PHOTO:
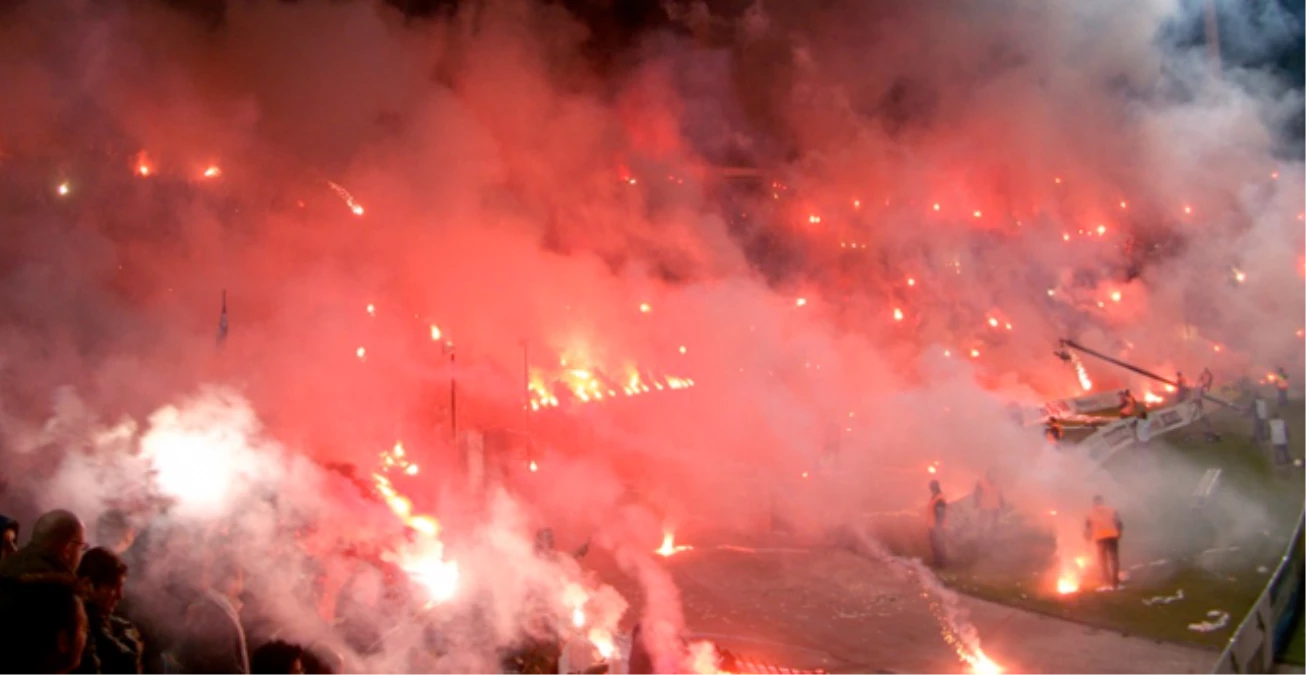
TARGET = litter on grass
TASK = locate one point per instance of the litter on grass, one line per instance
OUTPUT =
(1216, 620)
(1164, 599)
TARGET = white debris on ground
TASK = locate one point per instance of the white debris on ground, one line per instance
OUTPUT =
(1262, 569)
(1216, 620)
(1164, 599)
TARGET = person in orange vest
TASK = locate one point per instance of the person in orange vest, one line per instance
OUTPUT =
(935, 516)
(1103, 528)
(988, 501)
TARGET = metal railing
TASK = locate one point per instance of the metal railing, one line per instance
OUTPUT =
(1265, 629)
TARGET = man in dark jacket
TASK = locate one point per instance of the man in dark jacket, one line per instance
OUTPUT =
(58, 540)
(114, 645)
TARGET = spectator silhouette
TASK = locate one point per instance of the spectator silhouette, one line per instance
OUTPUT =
(42, 624)
(114, 644)
(8, 537)
(58, 540)
(213, 639)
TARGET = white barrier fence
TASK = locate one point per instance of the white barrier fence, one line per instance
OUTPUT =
(1120, 434)
(1267, 628)
(1071, 407)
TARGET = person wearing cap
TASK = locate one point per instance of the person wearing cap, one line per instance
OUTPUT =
(1103, 528)
(935, 516)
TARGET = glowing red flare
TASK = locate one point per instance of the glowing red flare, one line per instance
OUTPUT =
(669, 547)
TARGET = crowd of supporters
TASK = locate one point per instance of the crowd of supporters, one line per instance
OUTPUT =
(68, 605)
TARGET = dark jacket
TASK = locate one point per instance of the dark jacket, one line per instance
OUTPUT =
(113, 645)
(28, 562)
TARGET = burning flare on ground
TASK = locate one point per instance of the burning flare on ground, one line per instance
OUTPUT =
(981, 664)
(669, 547)
(1072, 575)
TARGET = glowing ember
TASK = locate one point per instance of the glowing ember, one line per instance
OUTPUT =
(1085, 383)
(993, 322)
(1149, 397)
(669, 547)
(578, 617)
(897, 314)
(1115, 296)
(644, 307)
(435, 333)
(354, 206)
(371, 309)
(800, 302)
(1188, 210)
(1239, 275)
(1067, 585)
(361, 352)
(682, 349)
(978, 214)
(212, 171)
(974, 353)
(1101, 230)
(936, 207)
(63, 189)
(144, 168)
(533, 466)
(911, 281)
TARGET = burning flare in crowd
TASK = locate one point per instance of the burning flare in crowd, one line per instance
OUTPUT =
(423, 559)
